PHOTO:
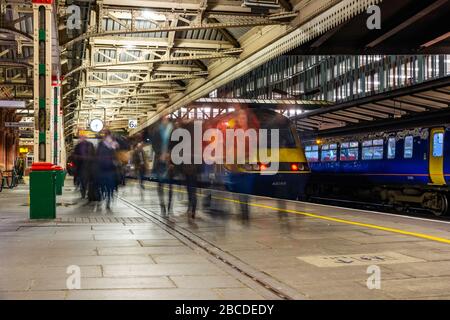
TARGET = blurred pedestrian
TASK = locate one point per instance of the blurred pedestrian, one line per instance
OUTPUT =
(163, 167)
(107, 167)
(190, 171)
(83, 156)
(139, 159)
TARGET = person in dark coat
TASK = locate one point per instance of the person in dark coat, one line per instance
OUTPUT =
(139, 159)
(163, 167)
(83, 156)
(190, 171)
(107, 167)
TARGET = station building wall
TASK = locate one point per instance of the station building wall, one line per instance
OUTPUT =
(8, 140)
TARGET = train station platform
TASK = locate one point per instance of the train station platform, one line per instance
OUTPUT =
(237, 247)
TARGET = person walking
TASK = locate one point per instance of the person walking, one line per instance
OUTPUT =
(163, 167)
(190, 171)
(107, 167)
(83, 156)
(139, 160)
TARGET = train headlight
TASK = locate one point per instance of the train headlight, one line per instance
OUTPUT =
(298, 167)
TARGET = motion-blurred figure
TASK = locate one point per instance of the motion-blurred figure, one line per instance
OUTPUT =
(190, 172)
(83, 156)
(107, 167)
(163, 168)
(139, 159)
(19, 166)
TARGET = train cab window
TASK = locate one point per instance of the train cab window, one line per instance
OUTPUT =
(286, 138)
(372, 149)
(349, 151)
(408, 148)
(312, 153)
(438, 144)
(391, 148)
(329, 152)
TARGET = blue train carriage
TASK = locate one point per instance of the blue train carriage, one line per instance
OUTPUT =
(289, 181)
(404, 168)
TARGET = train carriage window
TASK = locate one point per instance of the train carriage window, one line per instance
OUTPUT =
(312, 153)
(349, 151)
(329, 152)
(438, 144)
(372, 149)
(391, 148)
(408, 148)
(367, 150)
(377, 149)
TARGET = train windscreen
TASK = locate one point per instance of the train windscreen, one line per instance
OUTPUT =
(286, 138)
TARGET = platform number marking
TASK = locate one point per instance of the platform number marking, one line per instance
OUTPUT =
(132, 124)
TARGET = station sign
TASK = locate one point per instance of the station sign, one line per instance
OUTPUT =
(18, 124)
(132, 123)
(26, 134)
(87, 133)
(26, 141)
(13, 104)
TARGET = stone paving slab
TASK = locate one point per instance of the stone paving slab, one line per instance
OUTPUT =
(105, 283)
(124, 255)
(273, 242)
(97, 260)
(145, 294)
(167, 269)
(120, 256)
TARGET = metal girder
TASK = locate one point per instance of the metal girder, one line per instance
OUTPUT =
(21, 76)
(263, 44)
(148, 42)
(130, 26)
(16, 91)
(156, 44)
(117, 80)
(150, 56)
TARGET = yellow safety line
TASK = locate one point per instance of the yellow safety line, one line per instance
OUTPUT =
(350, 222)
(367, 225)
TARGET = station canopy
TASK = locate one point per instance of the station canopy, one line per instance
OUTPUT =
(429, 99)
(140, 59)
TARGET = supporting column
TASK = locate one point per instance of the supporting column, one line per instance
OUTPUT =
(56, 87)
(42, 76)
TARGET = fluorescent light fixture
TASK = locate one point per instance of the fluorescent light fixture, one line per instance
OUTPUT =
(12, 104)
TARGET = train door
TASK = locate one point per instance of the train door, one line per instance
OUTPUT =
(436, 158)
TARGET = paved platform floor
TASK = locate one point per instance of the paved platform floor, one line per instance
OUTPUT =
(309, 251)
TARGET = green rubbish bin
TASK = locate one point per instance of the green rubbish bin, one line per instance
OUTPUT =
(59, 181)
(42, 191)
